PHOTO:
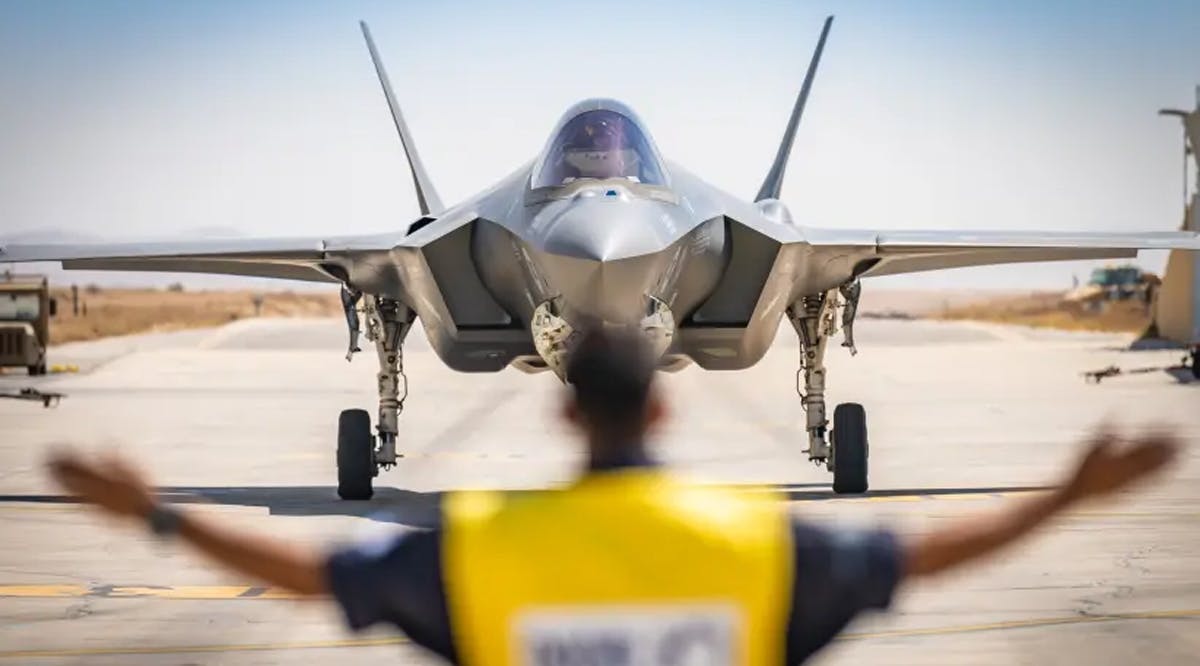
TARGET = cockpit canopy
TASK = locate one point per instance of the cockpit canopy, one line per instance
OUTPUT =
(598, 139)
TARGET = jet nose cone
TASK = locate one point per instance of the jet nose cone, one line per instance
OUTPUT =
(602, 250)
(606, 225)
(584, 241)
(612, 291)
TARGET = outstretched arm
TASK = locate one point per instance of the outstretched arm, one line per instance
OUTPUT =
(118, 489)
(1110, 464)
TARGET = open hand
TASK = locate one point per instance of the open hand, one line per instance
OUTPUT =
(109, 482)
(1113, 462)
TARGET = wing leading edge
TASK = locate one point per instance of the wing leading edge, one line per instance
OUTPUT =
(877, 253)
(311, 259)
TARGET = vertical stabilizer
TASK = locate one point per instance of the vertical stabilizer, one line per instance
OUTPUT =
(426, 196)
(774, 182)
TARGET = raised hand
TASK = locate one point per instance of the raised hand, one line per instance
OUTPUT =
(109, 482)
(1113, 462)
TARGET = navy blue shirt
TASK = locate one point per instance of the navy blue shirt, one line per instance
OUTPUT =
(839, 574)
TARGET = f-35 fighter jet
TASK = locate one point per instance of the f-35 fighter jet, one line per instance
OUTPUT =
(600, 229)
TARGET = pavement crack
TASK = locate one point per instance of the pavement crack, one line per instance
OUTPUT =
(79, 610)
(1133, 560)
(1129, 561)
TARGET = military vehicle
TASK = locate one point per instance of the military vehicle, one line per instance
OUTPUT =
(25, 311)
(1114, 283)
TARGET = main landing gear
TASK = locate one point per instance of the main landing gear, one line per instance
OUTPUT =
(843, 451)
(360, 453)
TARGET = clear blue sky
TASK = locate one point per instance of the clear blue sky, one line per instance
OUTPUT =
(124, 119)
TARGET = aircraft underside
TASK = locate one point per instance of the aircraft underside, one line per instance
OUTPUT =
(715, 297)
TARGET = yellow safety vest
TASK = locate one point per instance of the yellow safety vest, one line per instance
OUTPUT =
(624, 567)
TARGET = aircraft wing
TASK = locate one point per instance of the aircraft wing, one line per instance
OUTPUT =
(773, 265)
(876, 253)
(311, 259)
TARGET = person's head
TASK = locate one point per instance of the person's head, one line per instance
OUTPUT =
(601, 144)
(612, 398)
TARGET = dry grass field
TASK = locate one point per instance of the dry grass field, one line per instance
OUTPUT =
(1046, 310)
(108, 312)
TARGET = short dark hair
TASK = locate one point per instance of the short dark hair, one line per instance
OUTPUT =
(610, 372)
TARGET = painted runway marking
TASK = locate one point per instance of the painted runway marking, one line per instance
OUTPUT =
(1023, 624)
(398, 640)
(811, 496)
(189, 592)
(185, 649)
(789, 494)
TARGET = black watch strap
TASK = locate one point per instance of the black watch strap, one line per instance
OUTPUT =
(163, 520)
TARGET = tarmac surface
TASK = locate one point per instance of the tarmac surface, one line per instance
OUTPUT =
(239, 422)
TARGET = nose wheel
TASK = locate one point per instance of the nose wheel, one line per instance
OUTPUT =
(356, 465)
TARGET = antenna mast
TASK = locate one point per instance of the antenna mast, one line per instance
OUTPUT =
(1191, 137)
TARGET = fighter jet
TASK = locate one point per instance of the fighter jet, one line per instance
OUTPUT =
(599, 229)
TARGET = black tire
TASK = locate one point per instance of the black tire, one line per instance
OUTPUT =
(37, 370)
(850, 449)
(355, 455)
(1196, 363)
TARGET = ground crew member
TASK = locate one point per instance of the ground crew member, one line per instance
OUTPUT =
(625, 566)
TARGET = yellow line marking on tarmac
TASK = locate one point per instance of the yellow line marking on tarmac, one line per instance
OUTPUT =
(912, 497)
(979, 496)
(183, 649)
(807, 497)
(69, 506)
(399, 640)
(43, 591)
(1022, 624)
(191, 592)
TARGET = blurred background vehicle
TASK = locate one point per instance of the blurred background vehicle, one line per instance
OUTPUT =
(25, 311)
(1107, 284)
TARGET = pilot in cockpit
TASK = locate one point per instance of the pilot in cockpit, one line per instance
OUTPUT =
(599, 144)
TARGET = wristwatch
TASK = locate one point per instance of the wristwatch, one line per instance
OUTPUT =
(163, 520)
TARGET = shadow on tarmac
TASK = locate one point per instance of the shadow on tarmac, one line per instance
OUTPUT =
(423, 509)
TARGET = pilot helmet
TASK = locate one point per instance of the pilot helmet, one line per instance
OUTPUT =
(601, 145)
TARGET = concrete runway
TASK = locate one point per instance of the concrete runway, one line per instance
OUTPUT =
(240, 422)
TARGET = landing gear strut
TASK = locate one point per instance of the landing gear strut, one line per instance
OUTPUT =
(844, 451)
(360, 454)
